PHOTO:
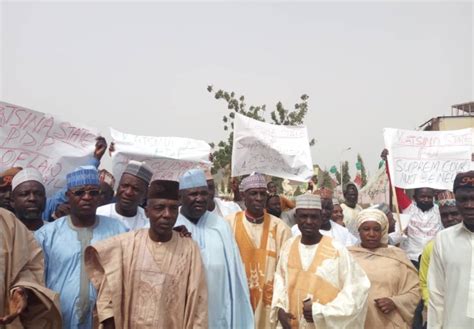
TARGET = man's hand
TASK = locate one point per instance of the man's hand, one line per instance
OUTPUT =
(183, 231)
(109, 323)
(386, 305)
(111, 148)
(384, 155)
(100, 147)
(308, 310)
(234, 186)
(63, 209)
(18, 303)
(285, 318)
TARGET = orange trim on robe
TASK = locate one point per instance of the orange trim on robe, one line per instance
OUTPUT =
(255, 260)
(302, 283)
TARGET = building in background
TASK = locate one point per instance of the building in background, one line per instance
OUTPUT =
(462, 116)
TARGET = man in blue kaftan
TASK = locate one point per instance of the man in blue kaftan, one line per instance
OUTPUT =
(63, 243)
(228, 294)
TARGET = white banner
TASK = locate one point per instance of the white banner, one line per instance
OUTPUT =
(427, 158)
(376, 190)
(33, 139)
(170, 157)
(281, 151)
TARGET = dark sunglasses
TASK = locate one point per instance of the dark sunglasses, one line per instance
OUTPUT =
(81, 193)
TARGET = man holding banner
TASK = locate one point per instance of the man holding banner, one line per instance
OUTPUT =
(423, 161)
(64, 241)
(58, 199)
(424, 218)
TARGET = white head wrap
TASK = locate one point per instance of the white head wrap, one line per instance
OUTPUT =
(374, 215)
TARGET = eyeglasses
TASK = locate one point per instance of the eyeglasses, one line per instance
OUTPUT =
(81, 193)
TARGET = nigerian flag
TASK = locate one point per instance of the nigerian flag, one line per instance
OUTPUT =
(358, 178)
(332, 174)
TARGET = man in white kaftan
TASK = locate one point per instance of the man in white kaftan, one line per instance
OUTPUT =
(317, 282)
(451, 267)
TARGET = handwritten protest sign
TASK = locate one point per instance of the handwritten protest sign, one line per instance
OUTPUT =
(427, 158)
(376, 189)
(281, 151)
(169, 157)
(33, 139)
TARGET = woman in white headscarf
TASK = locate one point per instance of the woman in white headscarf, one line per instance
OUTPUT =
(394, 292)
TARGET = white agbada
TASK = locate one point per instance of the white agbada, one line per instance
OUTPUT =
(350, 221)
(132, 223)
(347, 310)
(451, 279)
(337, 232)
(422, 227)
(224, 208)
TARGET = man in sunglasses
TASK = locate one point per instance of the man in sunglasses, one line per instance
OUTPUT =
(56, 204)
(64, 242)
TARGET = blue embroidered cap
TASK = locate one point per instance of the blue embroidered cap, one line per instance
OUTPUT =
(85, 175)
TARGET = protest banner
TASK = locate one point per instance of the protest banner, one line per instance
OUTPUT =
(281, 151)
(38, 140)
(169, 157)
(376, 190)
(427, 158)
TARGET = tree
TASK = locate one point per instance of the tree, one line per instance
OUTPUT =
(325, 180)
(363, 172)
(222, 154)
(338, 176)
(346, 177)
(335, 175)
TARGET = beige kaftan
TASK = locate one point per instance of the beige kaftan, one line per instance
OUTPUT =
(22, 264)
(391, 275)
(147, 284)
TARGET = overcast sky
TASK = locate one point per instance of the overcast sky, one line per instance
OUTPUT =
(143, 68)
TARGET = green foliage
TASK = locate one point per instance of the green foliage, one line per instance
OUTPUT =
(335, 171)
(222, 154)
(298, 191)
(223, 187)
(346, 177)
(363, 171)
(277, 181)
(325, 180)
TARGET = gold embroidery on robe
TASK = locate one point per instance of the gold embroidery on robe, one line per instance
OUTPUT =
(303, 283)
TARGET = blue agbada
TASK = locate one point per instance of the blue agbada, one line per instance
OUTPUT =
(63, 246)
(228, 294)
